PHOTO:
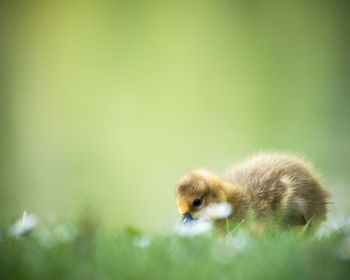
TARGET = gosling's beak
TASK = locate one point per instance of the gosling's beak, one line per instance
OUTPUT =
(186, 218)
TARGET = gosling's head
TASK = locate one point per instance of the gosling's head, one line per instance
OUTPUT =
(195, 191)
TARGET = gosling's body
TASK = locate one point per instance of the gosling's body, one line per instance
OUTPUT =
(264, 183)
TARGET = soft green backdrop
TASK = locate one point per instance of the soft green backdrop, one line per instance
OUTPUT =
(107, 103)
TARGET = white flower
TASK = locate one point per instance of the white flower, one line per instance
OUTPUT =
(142, 242)
(219, 210)
(223, 250)
(333, 224)
(45, 237)
(196, 227)
(65, 233)
(51, 236)
(241, 240)
(23, 225)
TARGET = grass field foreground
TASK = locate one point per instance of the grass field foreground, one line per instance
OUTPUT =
(86, 250)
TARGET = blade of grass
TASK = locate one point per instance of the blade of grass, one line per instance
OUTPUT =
(236, 227)
(304, 229)
(227, 226)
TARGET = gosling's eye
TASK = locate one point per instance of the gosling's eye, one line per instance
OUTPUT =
(197, 202)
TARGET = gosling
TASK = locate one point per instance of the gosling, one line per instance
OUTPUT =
(263, 184)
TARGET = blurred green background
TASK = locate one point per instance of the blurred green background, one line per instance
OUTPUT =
(107, 103)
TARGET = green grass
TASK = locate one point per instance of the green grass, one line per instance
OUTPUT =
(88, 251)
